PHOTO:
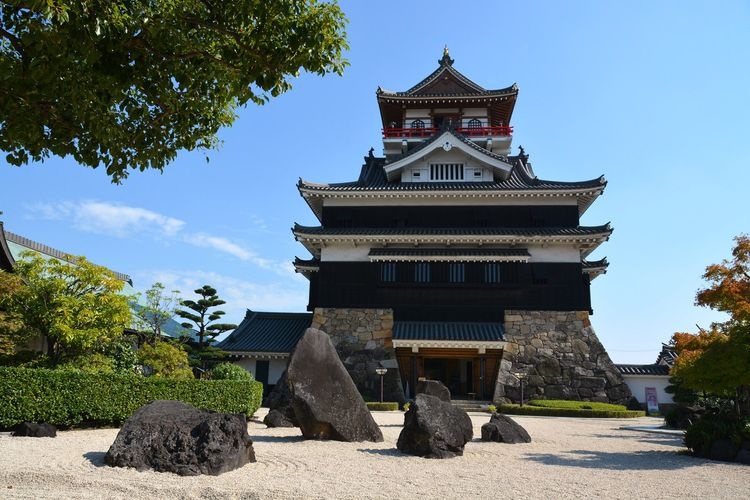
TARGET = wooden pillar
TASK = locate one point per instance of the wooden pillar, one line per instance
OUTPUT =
(482, 362)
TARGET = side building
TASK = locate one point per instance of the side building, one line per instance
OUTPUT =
(448, 258)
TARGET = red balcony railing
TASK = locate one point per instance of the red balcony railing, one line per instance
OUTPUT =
(393, 132)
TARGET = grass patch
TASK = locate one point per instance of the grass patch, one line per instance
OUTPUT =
(565, 408)
(386, 406)
(576, 405)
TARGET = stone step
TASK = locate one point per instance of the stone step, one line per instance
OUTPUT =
(470, 404)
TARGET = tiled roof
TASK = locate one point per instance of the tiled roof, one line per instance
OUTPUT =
(373, 178)
(449, 252)
(446, 66)
(53, 252)
(453, 231)
(6, 258)
(643, 369)
(667, 356)
(449, 331)
(267, 332)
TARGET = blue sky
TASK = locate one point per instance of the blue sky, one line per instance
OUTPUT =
(654, 95)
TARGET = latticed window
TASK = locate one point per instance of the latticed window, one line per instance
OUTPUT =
(492, 273)
(422, 272)
(417, 124)
(474, 123)
(388, 272)
(446, 171)
(456, 272)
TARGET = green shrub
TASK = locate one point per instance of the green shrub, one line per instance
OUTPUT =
(166, 360)
(580, 405)
(386, 406)
(711, 427)
(491, 408)
(70, 398)
(406, 406)
(230, 371)
(513, 409)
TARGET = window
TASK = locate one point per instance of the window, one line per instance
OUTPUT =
(492, 273)
(446, 171)
(456, 272)
(417, 124)
(388, 272)
(474, 124)
(422, 272)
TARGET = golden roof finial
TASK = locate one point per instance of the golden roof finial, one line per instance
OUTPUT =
(446, 59)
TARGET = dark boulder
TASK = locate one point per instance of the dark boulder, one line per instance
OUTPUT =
(503, 429)
(434, 429)
(434, 388)
(31, 429)
(171, 436)
(279, 418)
(326, 402)
(279, 402)
(723, 449)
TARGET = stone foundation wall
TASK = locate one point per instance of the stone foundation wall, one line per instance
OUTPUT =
(364, 341)
(561, 356)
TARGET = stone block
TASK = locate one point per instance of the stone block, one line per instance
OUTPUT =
(581, 315)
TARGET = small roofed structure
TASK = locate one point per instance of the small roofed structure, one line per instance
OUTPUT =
(653, 377)
(263, 341)
(6, 257)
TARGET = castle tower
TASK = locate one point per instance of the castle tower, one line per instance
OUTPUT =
(448, 258)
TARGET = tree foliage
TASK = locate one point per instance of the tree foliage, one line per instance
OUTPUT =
(127, 84)
(154, 311)
(202, 318)
(165, 359)
(230, 371)
(718, 360)
(73, 306)
(11, 322)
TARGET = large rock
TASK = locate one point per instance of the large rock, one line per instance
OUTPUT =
(278, 418)
(279, 402)
(503, 429)
(31, 429)
(326, 402)
(434, 388)
(434, 429)
(171, 436)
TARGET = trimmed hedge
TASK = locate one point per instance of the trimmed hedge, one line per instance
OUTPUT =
(578, 405)
(72, 398)
(386, 406)
(514, 409)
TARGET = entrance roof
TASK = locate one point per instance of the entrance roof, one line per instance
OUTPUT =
(450, 331)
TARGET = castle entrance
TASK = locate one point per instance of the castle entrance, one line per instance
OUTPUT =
(468, 373)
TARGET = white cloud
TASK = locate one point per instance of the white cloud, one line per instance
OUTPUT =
(123, 221)
(110, 218)
(240, 295)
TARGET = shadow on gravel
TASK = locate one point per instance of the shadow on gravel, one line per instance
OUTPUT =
(389, 452)
(650, 438)
(96, 458)
(277, 439)
(638, 460)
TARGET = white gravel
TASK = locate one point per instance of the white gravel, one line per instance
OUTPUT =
(568, 458)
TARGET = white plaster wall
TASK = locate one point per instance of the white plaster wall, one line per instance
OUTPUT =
(554, 253)
(417, 113)
(638, 384)
(475, 112)
(275, 368)
(360, 253)
(345, 253)
(450, 199)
